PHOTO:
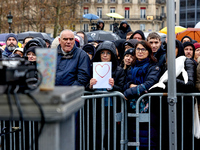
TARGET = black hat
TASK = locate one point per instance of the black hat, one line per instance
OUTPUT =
(189, 44)
(89, 48)
(129, 51)
(138, 32)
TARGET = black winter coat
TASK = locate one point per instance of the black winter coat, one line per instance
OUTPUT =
(117, 72)
(123, 31)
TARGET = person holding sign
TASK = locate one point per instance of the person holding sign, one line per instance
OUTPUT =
(107, 76)
(106, 52)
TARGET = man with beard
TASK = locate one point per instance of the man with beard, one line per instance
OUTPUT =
(11, 44)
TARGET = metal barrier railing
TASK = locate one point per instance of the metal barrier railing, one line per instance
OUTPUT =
(93, 97)
(113, 134)
(103, 123)
(19, 135)
(145, 117)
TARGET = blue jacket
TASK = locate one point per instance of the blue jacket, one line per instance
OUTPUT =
(152, 77)
(73, 71)
(6, 53)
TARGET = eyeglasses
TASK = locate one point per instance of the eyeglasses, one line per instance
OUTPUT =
(141, 49)
(107, 53)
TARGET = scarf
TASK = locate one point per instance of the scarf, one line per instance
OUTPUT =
(139, 71)
(7, 51)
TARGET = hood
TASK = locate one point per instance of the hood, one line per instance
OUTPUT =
(186, 37)
(89, 48)
(122, 28)
(179, 45)
(35, 42)
(138, 32)
(85, 36)
(98, 22)
(120, 48)
(106, 45)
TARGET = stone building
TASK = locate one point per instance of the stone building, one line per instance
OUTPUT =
(146, 15)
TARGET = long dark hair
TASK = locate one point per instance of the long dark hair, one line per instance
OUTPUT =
(147, 46)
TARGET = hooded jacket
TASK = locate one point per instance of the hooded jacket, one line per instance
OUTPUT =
(35, 42)
(186, 37)
(120, 48)
(138, 32)
(74, 70)
(123, 31)
(117, 72)
(98, 22)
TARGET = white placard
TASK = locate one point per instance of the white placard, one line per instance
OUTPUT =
(102, 73)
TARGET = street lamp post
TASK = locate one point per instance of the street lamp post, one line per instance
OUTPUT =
(9, 17)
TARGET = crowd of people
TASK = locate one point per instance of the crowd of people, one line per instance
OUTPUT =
(137, 62)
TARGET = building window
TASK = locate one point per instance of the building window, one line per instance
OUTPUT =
(111, 27)
(127, 12)
(99, 12)
(99, 1)
(143, 1)
(127, 1)
(157, 11)
(142, 27)
(112, 1)
(112, 9)
(162, 9)
(157, 27)
(86, 27)
(142, 12)
(86, 10)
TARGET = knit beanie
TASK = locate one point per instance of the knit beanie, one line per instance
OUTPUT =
(196, 45)
(189, 44)
(11, 35)
(138, 32)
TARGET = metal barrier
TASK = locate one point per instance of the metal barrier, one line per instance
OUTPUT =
(19, 135)
(146, 117)
(111, 108)
(103, 124)
(122, 116)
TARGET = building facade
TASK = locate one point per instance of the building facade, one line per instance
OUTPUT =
(146, 15)
(189, 13)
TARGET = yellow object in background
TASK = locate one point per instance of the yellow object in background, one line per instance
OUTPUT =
(177, 29)
(19, 44)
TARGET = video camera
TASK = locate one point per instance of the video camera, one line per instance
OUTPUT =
(18, 72)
